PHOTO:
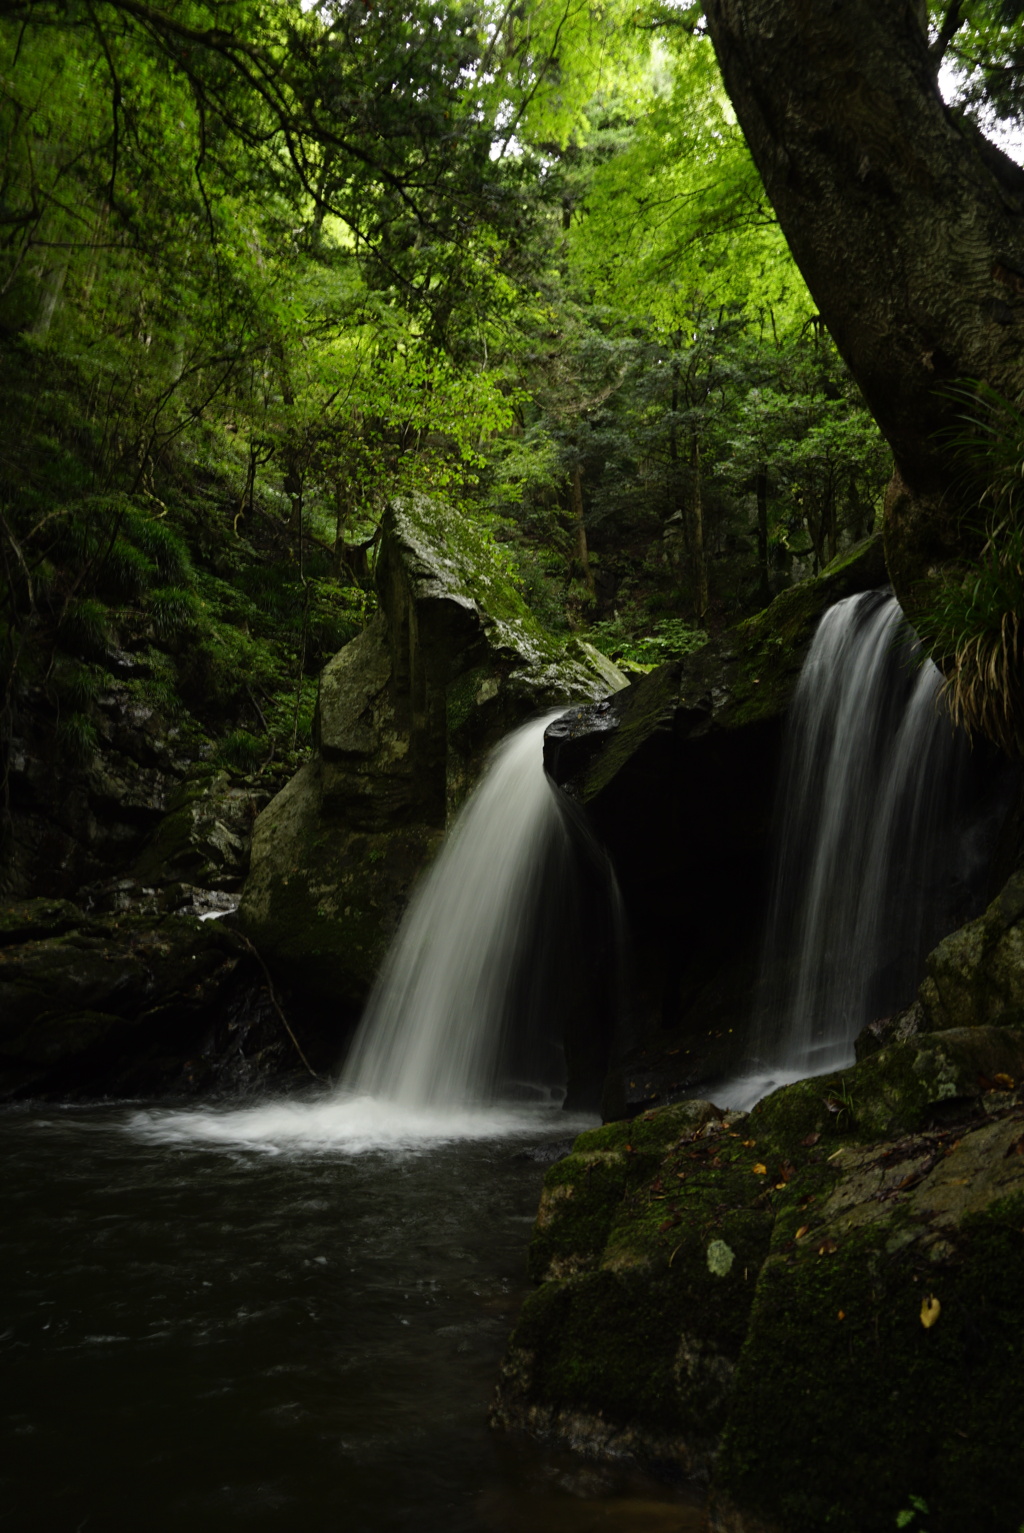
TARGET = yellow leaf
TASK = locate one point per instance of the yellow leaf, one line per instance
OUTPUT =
(760, 1170)
(748, 1144)
(801, 1232)
(930, 1311)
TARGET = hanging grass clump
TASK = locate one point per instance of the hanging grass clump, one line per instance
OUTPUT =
(974, 628)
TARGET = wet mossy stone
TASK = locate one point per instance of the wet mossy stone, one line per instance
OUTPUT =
(79, 1004)
(975, 976)
(30, 920)
(741, 1296)
(744, 677)
(323, 901)
(204, 836)
(648, 1242)
(845, 1402)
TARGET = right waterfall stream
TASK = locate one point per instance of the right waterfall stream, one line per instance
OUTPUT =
(878, 843)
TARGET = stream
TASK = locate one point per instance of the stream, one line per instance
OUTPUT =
(220, 1321)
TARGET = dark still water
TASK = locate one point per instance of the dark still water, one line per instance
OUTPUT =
(231, 1321)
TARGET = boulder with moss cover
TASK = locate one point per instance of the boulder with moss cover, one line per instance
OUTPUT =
(130, 1005)
(407, 713)
(812, 1307)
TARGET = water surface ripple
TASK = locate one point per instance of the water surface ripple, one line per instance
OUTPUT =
(275, 1331)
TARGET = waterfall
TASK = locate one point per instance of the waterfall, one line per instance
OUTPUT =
(505, 962)
(872, 851)
(463, 997)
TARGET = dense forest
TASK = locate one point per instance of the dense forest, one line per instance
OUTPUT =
(266, 267)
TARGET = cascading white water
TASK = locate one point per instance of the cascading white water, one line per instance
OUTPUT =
(493, 954)
(869, 844)
(433, 1030)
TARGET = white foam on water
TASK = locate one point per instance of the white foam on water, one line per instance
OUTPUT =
(352, 1125)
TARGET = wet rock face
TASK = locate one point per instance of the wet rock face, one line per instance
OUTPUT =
(813, 1305)
(407, 713)
(678, 776)
(130, 1005)
(78, 819)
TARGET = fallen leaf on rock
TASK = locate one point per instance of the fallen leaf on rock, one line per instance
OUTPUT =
(930, 1311)
(801, 1232)
(759, 1169)
(748, 1144)
(828, 1247)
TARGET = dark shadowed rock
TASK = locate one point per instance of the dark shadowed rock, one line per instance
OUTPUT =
(130, 1005)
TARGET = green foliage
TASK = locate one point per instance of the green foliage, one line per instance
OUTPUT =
(174, 611)
(664, 640)
(75, 685)
(85, 627)
(265, 268)
(242, 750)
(974, 624)
(76, 737)
(908, 1515)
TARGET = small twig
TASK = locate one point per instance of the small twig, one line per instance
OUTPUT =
(277, 1004)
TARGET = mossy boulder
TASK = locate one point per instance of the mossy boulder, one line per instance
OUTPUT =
(976, 975)
(647, 1246)
(203, 839)
(118, 1006)
(751, 1297)
(883, 1351)
(407, 713)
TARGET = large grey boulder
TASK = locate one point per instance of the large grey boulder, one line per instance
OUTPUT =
(406, 716)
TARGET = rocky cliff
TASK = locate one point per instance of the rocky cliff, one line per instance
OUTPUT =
(406, 716)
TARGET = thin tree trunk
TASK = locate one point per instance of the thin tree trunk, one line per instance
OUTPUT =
(765, 589)
(579, 527)
(699, 561)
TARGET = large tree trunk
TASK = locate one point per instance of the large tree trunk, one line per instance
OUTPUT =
(907, 226)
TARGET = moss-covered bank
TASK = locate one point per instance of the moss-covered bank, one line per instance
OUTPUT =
(811, 1305)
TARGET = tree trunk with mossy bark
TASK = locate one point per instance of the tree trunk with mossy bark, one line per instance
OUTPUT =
(908, 227)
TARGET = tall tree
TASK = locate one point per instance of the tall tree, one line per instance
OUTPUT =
(907, 224)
